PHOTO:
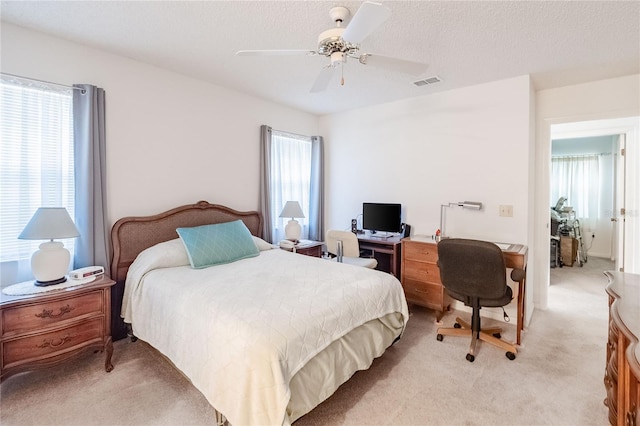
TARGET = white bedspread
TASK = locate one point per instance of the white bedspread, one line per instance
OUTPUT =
(241, 331)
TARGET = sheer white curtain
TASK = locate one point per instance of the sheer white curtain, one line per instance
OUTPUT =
(36, 166)
(577, 177)
(290, 179)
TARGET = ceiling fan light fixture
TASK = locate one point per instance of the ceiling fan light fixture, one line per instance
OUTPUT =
(337, 59)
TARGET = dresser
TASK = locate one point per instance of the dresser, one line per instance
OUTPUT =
(46, 329)
(622, 370)
(421, 275)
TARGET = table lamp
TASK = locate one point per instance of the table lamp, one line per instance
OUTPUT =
(474, 205)
(293, 230)
(50, 263)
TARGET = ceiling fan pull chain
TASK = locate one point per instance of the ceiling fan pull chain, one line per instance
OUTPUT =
(342, 74)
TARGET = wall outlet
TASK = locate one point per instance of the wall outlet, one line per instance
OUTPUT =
(506, 210)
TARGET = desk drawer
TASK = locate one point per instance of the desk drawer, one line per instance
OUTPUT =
(420, 271)
(424, 294)
(38, 315)
(46, 345)
(424, 252)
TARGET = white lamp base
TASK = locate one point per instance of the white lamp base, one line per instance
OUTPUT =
(50, 264)
(293, 230)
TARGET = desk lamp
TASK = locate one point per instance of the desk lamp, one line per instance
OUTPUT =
(474, 205)
(50, 263)
(293, 230)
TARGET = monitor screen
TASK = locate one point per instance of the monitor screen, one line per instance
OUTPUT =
(383, 217)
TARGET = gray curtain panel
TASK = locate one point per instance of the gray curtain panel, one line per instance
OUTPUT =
(90, 177)
(316, 194)
(265, 184)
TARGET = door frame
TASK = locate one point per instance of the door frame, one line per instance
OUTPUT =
(623, 123)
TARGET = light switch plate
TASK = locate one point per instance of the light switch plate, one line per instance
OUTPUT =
(506, 210)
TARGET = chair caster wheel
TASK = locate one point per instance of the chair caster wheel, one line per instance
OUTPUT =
(470, 358)
(456, 325)
(439, 337)
(511, 355)
(497, 335)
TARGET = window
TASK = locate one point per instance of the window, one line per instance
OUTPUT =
(290, 179)
(36, 165)
(577, 177)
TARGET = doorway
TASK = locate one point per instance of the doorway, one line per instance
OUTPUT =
(583, 175)
(620, 238)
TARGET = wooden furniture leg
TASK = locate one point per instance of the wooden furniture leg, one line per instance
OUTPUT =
(108, 353)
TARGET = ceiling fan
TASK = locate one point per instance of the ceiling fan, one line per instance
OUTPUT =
(340, 43)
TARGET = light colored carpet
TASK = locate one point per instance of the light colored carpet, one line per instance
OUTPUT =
(557, 378)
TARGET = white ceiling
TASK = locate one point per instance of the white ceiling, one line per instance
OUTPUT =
(464, 42)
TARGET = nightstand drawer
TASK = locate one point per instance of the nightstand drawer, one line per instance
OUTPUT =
(39, 315)
(419, 271)
(422, 252)
(45, 345)
(425, 294)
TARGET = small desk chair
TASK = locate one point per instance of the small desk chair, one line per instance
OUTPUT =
(474, 272)
(350, 249)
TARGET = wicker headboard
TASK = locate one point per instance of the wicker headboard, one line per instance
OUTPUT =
(131, 235)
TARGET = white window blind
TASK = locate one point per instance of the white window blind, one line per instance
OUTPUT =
(36, 160)
(290, 179)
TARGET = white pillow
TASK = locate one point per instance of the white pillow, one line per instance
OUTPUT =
(262, 244)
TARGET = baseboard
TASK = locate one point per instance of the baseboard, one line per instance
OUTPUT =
(602, 255)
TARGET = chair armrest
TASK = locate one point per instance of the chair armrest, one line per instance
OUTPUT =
(518, 274)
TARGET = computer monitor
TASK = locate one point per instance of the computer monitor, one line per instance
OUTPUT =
(383, 217)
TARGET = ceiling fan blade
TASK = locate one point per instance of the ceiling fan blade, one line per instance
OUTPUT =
(276, 52)
(369, 17)
(393, 64)
(323, 79)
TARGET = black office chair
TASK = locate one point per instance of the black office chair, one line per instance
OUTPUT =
(474, 272)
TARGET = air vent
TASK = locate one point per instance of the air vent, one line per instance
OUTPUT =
(426, 81)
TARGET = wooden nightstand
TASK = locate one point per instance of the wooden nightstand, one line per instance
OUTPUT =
(309, 248)
(45, 329)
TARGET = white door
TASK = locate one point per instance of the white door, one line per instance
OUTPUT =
(629, 212)
(618, 216)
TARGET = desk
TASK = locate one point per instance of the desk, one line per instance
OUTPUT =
(420, 281)
(385, 250)
(515, 256)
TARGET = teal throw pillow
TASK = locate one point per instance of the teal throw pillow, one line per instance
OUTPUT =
(210, 245)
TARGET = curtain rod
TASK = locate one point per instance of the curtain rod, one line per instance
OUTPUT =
(597, 154)
(42, 81)
(291, 135)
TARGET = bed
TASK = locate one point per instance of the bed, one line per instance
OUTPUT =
(265, 337)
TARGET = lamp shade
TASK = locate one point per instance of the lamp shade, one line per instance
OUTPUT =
(49, 223)
(292, 209)
(50, 263)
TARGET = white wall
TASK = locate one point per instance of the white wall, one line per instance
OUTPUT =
(470, 144)
(465, 144)
(605, 99)
(171, 139)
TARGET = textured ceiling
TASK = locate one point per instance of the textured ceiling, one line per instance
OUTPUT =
(465, 43)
